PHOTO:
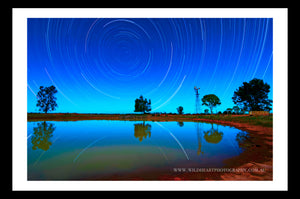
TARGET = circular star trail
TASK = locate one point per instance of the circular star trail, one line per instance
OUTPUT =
(103, 65)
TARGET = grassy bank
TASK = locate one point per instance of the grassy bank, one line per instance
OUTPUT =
(265, 121)
(260, 120)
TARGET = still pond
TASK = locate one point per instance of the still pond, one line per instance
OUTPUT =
(126, 150)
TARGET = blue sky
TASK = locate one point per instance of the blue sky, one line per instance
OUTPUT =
(103, 65)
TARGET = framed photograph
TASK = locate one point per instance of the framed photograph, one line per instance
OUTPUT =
(150, 99)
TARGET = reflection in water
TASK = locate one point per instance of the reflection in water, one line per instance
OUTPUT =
(199, 151)
(243, 140)
(142, 130)
(41, 135)
(213, 135)
(180, 124)
(88, 146)
(102, 150)
(186, 155)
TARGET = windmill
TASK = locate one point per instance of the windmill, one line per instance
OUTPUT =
(197, 102)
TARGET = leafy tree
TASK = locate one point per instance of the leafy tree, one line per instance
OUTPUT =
(142, 105)
(236, 109)
(211, 101)
(229, 110)
(46, 100)
(253, 96)
(180, 110)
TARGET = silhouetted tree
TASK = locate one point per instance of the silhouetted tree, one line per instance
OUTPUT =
(236, 109)
(229, 110)
(142, 105)
(46, 100)
(180, 110)
(211, 101)
(253, 96)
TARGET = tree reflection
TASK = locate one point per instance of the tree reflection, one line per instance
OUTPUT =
(142, 130)
(180, 124)
(41, 135)
(213, 135)
(243, 140)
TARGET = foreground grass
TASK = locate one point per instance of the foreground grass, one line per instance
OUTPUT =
(260, 120)
(265, 121)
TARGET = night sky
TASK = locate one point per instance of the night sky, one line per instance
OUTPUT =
(103, 65)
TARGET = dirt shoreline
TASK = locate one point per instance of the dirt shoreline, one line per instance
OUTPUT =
(255, 163)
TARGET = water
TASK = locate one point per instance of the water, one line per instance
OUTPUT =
(126, 150)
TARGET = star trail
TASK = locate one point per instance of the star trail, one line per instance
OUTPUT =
(101, 65)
